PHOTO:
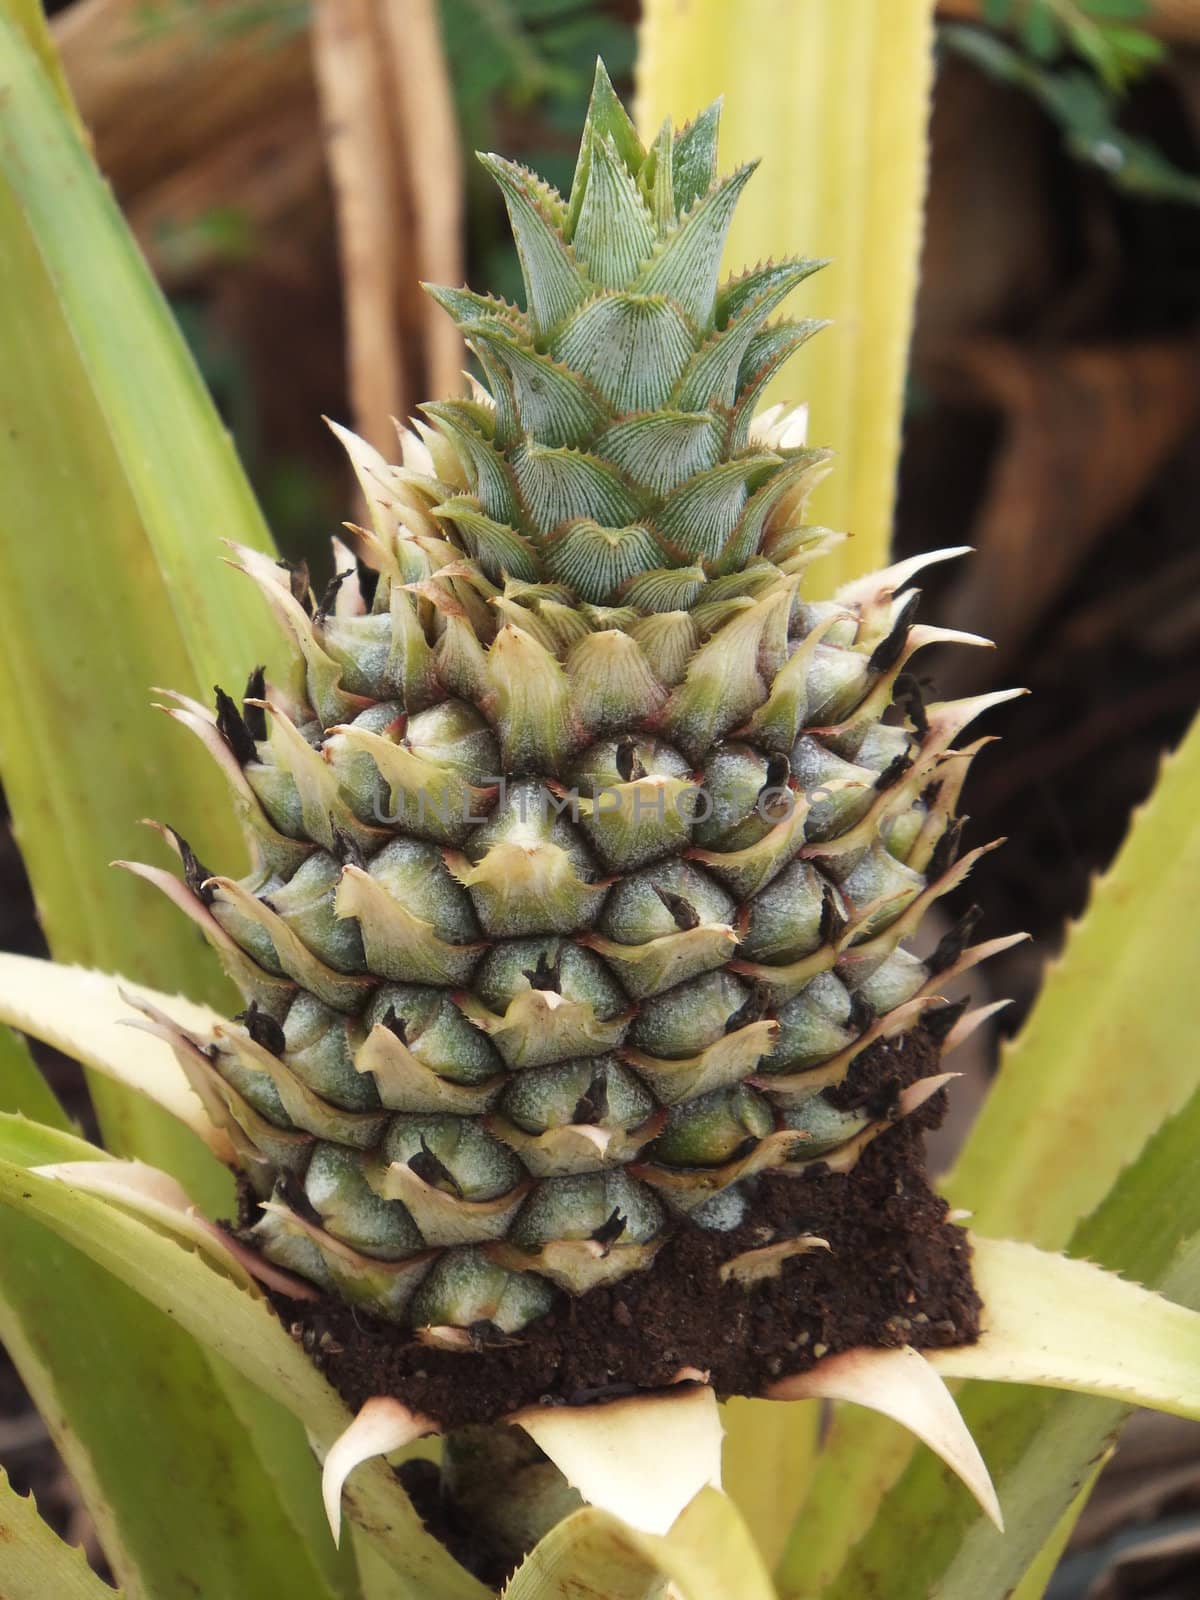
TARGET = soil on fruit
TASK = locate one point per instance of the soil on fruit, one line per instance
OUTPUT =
(897, 1273)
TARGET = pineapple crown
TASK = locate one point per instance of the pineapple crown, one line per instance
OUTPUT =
(613, 450)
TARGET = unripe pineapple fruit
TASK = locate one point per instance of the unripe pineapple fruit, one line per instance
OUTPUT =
(587, 839)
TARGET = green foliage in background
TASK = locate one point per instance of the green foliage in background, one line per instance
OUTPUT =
(1100, 32)
(1085, 101)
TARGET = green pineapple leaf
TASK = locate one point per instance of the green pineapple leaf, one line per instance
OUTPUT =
(1115, 982)
(767, 1464)
(1042, 1446)
(30, 17)
(119, 483)
(1042, 1568)
(23, 1088)
(221, 1518)
(209, 1311)
(34, 1561)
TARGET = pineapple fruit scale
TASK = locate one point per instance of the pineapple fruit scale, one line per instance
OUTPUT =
(586, 841)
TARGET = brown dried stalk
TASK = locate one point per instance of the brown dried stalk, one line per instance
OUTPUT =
(393, 157)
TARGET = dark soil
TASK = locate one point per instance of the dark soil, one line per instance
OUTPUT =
(897, 1273)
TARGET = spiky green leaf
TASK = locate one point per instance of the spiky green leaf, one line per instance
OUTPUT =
(34, 1562)
(217, 1519)
(554, 283)
(554, 405)
(1115, 994)
(663, 450)
(1116, 980)
(695, 154)
(607, 119)
(1043, 1445)
(561, 485)
(122, 523)
(615, 232)
(630, 347)
(212, 1312)
(687, 262)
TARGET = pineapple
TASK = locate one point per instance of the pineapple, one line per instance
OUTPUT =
(587, 841)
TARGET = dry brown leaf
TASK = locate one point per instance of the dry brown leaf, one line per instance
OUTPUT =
(387, 118)
(433, 162)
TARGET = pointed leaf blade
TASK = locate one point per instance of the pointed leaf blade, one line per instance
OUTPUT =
(1043, 1445)
(30, 17)
(643, 1459)
(213, 1520)
(34, 1561)
(119, 482)
(902, 1385)
(1116, 981)
(87, 1015)
(1118, 985)
(236, 1325)
(1065, 1324)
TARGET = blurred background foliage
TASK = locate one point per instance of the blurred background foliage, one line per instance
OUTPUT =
(290, 181)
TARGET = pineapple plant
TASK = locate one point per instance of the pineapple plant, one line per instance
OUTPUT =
(583, 1055)
(588, 843)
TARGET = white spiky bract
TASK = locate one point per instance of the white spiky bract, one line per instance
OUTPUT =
(1048, 1320)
